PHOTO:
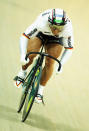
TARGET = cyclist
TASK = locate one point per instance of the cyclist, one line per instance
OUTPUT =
(54, 28)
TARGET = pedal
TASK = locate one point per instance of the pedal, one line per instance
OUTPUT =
(18, 84)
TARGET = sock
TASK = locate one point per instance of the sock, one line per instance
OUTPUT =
(41, 88)
(22, 73)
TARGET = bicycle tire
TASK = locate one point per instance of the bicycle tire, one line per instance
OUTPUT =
(24, 93)
(31, 97)
(25, 114)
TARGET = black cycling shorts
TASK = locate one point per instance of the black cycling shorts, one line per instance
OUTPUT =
(48, 39)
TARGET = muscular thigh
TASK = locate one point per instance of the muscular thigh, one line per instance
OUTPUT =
(54, 49)
(34, 45)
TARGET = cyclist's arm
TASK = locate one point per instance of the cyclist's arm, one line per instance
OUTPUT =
(65, 56)
(68, 41)
(68, 45)
(30, 32)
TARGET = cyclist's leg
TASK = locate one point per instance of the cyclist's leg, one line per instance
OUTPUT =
(54, 50)
(34, 44)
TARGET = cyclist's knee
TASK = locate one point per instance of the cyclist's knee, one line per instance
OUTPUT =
(49, 63)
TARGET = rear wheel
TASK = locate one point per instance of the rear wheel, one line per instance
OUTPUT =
(22, 100)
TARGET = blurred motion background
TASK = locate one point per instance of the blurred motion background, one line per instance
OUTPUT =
(66, 95)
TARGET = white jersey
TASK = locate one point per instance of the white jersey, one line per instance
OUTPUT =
(42, 25)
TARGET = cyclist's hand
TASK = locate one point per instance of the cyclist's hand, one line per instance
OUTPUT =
(60, 71)
(23, 61)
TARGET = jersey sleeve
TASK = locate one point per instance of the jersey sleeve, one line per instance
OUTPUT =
(40, 24)
(33, 29)
(68, 40)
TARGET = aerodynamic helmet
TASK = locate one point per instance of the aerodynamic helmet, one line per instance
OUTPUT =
(57, 17)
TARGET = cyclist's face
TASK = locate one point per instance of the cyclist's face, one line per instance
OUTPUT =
(56, 29)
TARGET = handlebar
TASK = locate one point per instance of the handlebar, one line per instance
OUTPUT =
(44, 54)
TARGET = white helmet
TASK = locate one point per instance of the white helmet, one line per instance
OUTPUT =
(57, 17)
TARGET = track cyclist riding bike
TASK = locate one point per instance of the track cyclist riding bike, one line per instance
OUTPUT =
(54, 29)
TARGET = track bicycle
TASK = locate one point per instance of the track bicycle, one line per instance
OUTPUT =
(31, 83)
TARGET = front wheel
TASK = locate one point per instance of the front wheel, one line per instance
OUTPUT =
(31, 95)
(28, 105)
(25, 90)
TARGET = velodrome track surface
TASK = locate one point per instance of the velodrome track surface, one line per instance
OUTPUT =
(66, 95)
